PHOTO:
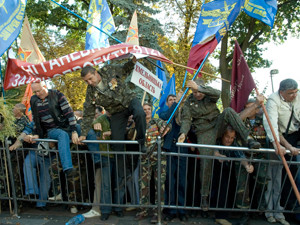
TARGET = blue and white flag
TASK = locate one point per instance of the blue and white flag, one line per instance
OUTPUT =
(170, 89)
(216, 17)
(263, 10)
(100, 16)
(11, 20)
(161, 75)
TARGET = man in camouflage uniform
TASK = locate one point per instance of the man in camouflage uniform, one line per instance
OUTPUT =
(200, 109)
(106, 88)
(149, 163)
(254, 122)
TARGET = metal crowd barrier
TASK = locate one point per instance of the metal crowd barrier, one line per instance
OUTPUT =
(80, 191)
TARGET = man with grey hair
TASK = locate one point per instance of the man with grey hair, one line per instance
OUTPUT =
(283, 108)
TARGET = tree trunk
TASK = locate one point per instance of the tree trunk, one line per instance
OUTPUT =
(225, 73)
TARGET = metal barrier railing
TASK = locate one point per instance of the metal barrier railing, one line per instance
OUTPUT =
(80, 188)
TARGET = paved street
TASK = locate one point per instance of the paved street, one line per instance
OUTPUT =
(58, 215)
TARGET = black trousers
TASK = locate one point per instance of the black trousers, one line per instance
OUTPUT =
(118, 124)
(287, 192)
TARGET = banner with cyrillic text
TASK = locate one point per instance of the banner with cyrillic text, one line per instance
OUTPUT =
(20, 73)
(143, 78)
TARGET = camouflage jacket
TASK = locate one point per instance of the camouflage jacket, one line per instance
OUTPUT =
(21, 124)
(153, 131)
(113, 99)
(202, 114)
(257, 131)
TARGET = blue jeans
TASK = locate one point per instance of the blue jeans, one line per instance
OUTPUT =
(109, 167)
(93, 147)
(63, 139)
(176, 180)
(36, 164)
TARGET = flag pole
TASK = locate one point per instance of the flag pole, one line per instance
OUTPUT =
(186, 90)
(176, 64)
(2, 82)
(185, 76)
(280, 153)
(117, 40)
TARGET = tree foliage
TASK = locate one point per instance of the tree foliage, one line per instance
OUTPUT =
(179, 29)
(58, 32)
(252, 34)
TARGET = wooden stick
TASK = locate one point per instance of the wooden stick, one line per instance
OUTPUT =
(280, 153)
(190, 68)
(6, 174)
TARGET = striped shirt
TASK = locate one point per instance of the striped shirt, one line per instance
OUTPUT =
(46, 119)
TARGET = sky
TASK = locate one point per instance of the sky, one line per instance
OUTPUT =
(284, 58)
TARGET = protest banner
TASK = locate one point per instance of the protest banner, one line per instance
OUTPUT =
(20, 73)
(146, 80)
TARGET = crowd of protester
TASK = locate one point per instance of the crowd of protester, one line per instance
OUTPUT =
(205, 182)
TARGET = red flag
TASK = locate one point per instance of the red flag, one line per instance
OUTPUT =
(242, 82)
(199, 51)
(26, 101)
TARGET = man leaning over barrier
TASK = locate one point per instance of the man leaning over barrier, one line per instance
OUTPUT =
(223, 167)
(54, 119)
(107, 88)
(200, 109)
(283, 108)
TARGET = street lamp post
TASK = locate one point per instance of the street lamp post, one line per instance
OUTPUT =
(272, 72)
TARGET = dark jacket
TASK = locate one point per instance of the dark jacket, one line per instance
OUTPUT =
(54, 110)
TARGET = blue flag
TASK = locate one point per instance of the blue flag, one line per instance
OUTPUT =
(170, 89)
(161, 75)
(263, 10)
(100, 16)
(215, 19)
(11, 20)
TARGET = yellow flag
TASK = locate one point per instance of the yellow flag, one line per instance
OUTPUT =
(133, 32)
(28, 50)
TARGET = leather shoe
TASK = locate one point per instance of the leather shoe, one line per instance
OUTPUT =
(119, 213)
(104, 216)
(169, 217)
(183, 217)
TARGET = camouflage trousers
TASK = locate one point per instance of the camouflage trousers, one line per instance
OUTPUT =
(149, 165)
(73, 184)
(227, 117)
(242, 178)
(260, 179)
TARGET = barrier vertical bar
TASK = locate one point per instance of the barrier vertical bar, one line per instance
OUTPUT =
(13, 189)
(158, 180)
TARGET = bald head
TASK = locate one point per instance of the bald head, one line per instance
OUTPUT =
(40, 89)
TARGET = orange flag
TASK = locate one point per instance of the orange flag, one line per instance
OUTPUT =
(29, 52)
(133, 32)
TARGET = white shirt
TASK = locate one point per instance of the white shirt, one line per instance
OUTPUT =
(279, 112)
